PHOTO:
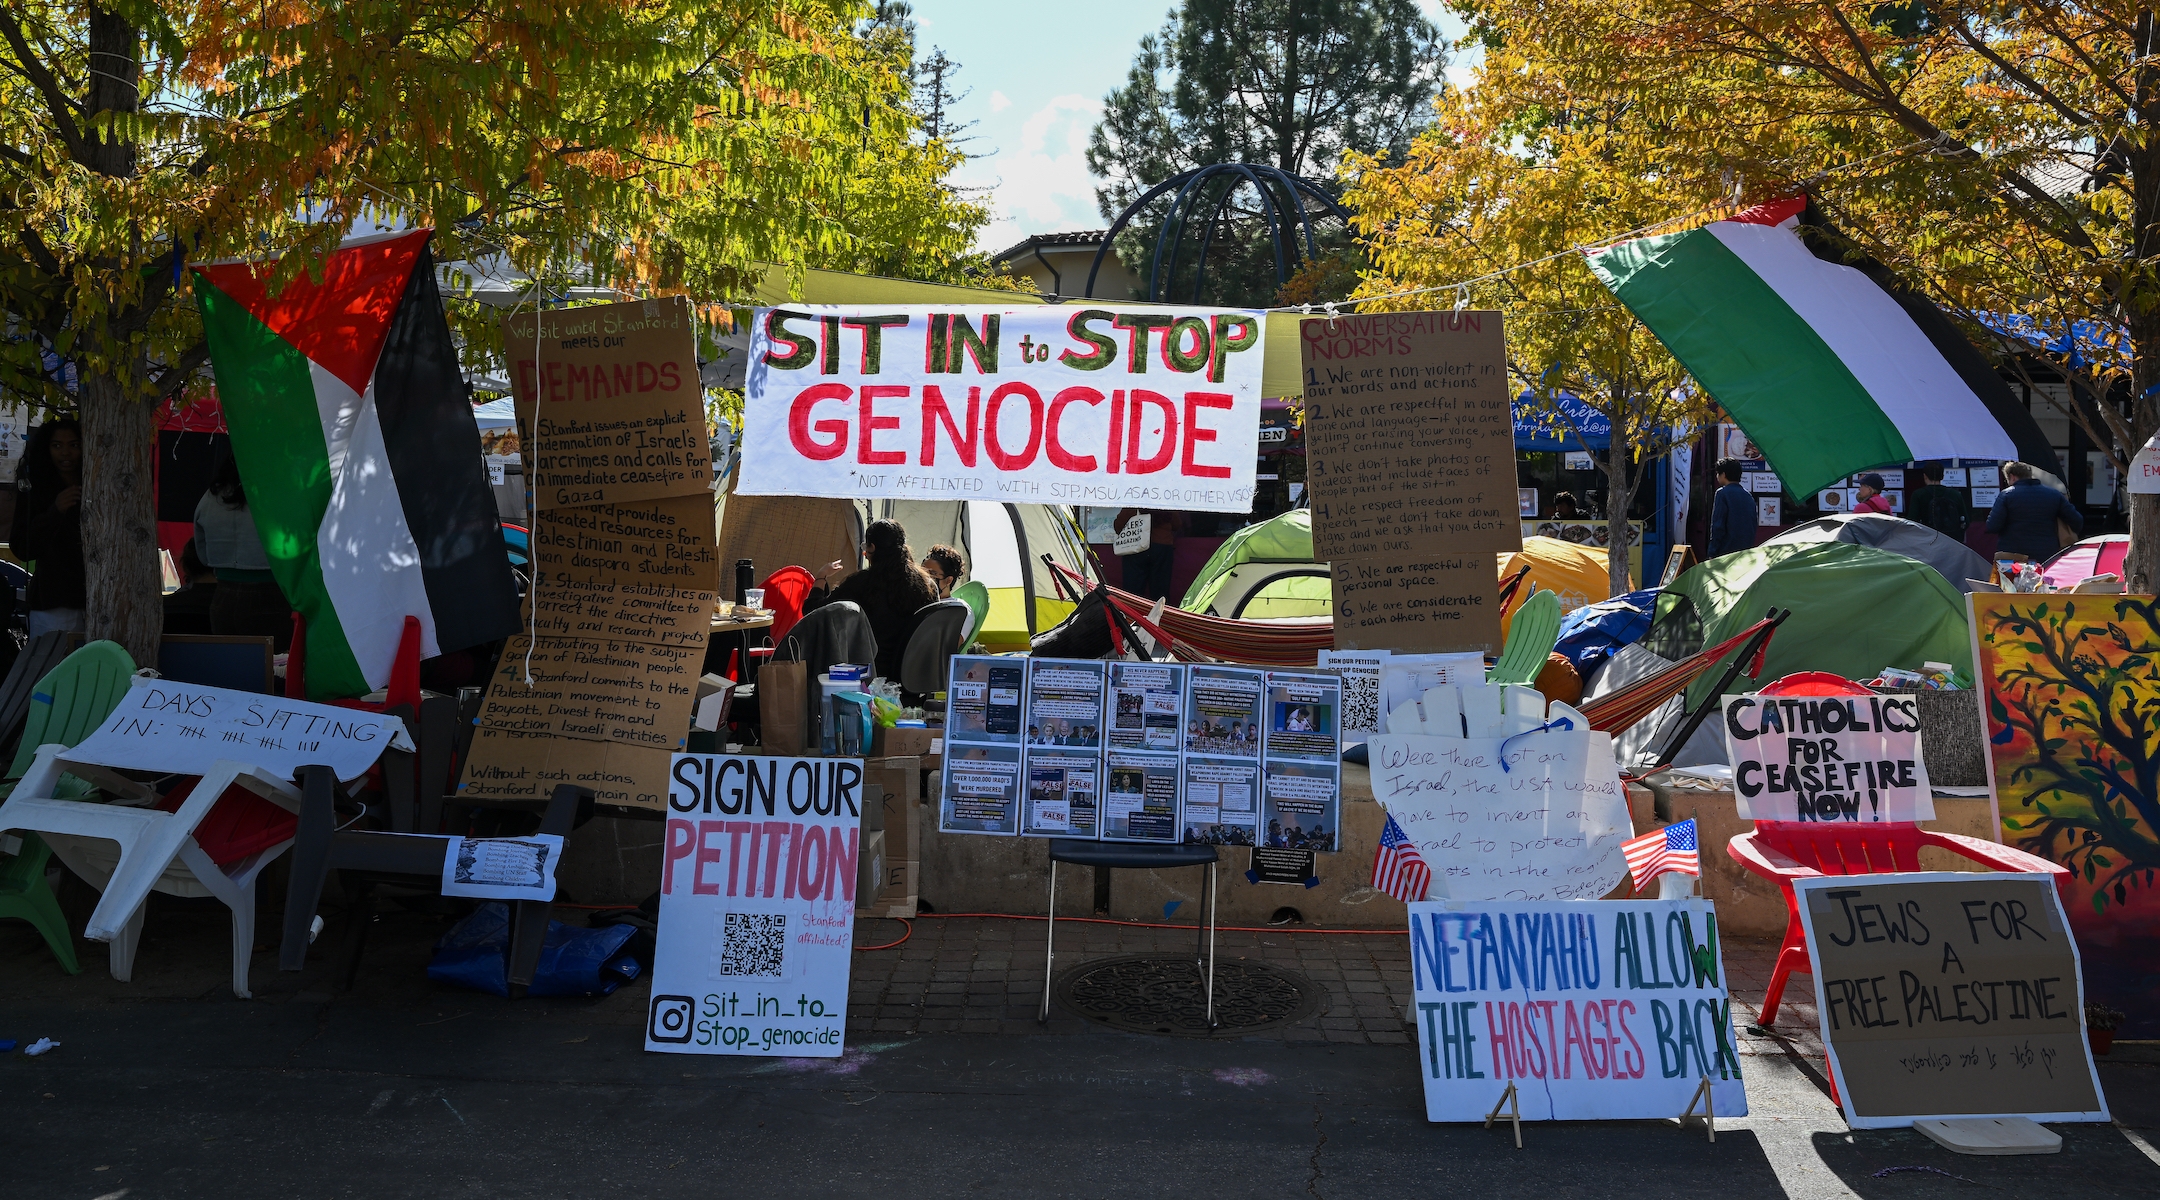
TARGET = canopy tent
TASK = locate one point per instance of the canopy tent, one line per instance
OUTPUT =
(1577, 573)
(1855, 610)
(192, 444)
(495, 414)
(2077, 563)
(1264, 570)
(1956, 562)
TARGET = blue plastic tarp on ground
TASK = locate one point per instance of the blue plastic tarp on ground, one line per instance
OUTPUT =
(1596, 631)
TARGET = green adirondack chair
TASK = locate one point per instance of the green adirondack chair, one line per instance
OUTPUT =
(66, 706)
(977, 598)
(1531, 638)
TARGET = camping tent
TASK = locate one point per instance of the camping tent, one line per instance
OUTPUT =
(1855, 610)
(1578, 573)
(1264, 570)
(2102, 555)
(1952, 559)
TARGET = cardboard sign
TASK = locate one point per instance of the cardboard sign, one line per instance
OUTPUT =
(181, 729)
(1409, 435)
(1949, 994)
(609, 404)
(1549, 827)
(1446, 602)
(1597, 1012)
(647, 612)
(661, 543)
(601, 690)
(757, 906)
(1118, 407)
(504, 764)
(1853, 759)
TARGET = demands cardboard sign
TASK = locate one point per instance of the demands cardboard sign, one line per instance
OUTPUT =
(1949, 994)
(1099, 406)
(1597, 1011)
(1828, 758)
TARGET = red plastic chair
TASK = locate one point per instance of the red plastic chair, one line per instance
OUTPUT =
(1782, 851)
(785, 591)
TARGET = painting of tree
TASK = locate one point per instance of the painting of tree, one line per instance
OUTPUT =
(2073, 705)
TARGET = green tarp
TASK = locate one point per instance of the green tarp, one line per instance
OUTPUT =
(1855, 610)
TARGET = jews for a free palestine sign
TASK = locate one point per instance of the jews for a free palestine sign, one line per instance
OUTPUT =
(1043, 404)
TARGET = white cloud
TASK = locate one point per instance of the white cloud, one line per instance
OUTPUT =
(999, 102)
(1042, 184)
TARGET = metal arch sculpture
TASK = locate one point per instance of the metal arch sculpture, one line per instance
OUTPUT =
(1266, 180)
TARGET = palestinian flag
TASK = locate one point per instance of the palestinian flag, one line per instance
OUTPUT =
(1822, 368)
(356, 442)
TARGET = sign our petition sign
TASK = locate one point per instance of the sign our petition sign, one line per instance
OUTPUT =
(1045, 404)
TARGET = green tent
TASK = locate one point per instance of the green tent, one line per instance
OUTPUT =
(1855, 610)
(1264, 570)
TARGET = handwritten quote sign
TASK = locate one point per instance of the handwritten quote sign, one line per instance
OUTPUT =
(757, 905)
(1604, 1011)
(1828, 758)
(1549, 827)
(1949, 994)
(182, 729)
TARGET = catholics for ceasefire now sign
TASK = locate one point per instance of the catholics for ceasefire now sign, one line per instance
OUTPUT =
(1043, 404)
(1607, 1010)
(1850, 759)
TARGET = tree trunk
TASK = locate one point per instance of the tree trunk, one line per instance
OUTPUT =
(1619, 497)
(119, 516)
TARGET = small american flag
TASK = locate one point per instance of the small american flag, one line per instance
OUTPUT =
(1660, 850)
(1396, 867)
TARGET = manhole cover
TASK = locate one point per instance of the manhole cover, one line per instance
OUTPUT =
(1160, 993)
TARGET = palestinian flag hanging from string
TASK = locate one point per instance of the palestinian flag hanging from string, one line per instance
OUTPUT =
(1822, 368)
(357, 446)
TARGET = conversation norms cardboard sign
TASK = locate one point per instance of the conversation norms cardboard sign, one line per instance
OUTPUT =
(609, 404)
(600, 690)
(1548, 827)
(757, 906)
(181, 729)
(1949, 994)
(504, 764)
(1427, 602)
(1615, 1010)
(1840, 759)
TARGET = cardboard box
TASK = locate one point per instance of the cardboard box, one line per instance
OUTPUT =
(897, 784)
(892, 742)
(869, 867)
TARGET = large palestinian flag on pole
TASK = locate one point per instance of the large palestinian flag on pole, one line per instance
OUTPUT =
(1822, 368)
(360, 456)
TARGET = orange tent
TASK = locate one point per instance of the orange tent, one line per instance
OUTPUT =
(1578, 573)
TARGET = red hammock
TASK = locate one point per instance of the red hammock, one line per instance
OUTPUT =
(1619, 710)
(1191, 637)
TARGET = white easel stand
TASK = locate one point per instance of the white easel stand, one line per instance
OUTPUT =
(1514, 1107)
(1990, 1135)
(1701, 1097)
(1672, 885)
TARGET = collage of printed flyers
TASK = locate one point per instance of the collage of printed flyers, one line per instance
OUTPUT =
(1142, 752)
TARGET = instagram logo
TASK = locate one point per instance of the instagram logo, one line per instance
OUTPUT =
(671, 1019)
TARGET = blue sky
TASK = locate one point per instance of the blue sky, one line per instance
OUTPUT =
(1036, 85)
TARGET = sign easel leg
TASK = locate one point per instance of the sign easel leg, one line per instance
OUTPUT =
(1702, 1097)
(1514, 1107)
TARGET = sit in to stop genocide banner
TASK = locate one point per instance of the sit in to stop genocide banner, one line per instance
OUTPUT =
(1113, 407)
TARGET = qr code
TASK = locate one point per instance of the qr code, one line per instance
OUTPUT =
(751, 944)
(1360, 701)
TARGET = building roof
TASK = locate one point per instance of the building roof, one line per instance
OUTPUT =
(1075, 237)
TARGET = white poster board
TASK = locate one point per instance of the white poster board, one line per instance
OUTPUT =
(182, 729)
(504, 868)
(757, 906)
(1848, 759)
(1088, 405)
(1547, 828)
(1135, 536)
(1597, 1012)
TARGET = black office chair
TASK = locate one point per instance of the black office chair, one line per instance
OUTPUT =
(930, 648)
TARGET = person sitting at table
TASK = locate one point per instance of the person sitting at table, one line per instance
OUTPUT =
(890, 590)
(944, 566)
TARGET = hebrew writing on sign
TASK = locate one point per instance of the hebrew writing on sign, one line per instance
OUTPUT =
(757, 906)
(609, 404)
(1410, 452)
(1604, 1011)
(1547, 827)
(1949, 994)
(182, 729)
(1847, 759)
(1156, 408)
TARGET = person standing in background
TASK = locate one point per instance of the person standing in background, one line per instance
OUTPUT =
(2023, 519)
(1148, 573)
(47, 529)
(249, 602)
(1871, 499)
(1732, 512)
(1942, 509)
